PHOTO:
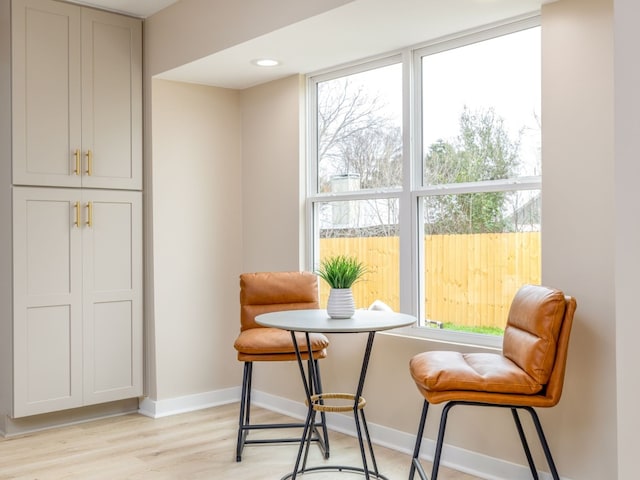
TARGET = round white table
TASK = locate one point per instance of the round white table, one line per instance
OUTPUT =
(318, 321)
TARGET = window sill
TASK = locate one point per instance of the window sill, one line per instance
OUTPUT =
(449, 337)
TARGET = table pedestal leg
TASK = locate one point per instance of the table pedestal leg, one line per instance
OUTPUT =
(316, 402)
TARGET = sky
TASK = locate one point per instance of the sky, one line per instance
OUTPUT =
(502, 73)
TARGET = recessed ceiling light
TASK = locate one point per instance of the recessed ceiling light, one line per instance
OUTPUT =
(266, 62)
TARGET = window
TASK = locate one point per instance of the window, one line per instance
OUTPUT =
(438, 195)
(358, 175)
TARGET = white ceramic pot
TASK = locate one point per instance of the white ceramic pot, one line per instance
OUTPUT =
(340, 303)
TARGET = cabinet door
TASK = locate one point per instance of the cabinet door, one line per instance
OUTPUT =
(111, 100)
(112, 246)
(46, 84)
(77, 96)
(47, 326)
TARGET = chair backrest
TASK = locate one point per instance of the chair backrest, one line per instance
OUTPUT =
(265, 292)
(536, 337)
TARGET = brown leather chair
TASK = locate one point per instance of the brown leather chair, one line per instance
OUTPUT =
(529, 372)
(266, 292)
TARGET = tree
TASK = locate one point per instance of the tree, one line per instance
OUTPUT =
(358, 142)
(358, 139)
(482, 151)
(375, 155)
(356, 136)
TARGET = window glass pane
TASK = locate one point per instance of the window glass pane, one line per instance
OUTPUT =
(478, 218)
(479, 249)
(481, 110)
(359, 121)
(368, 230)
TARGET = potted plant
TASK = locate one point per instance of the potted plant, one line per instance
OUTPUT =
(341, 272)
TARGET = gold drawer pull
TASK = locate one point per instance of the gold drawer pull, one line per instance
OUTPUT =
(77, 207)
(76, 156)
(89, 214)
(89, 162)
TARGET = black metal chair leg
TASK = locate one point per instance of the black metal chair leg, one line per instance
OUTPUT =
(543, 441)
(443, 426)
(244, 409)
(525, 444)
(245, 426)
(415, 461)
(247, 417)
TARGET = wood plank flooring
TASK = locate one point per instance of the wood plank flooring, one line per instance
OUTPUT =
(197, 445)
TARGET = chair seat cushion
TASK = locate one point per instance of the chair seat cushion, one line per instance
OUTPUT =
(486, 372)
(268, 341)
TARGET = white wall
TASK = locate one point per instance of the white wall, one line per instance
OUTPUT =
(578, 256)
(627, 230)
(273, 202)
(192, 29)
(185, 31)
(197, 237)
(6, 280)
(580, 230)
(225, 173)
(578, 234)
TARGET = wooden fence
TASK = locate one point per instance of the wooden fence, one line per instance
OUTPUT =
(470, 280)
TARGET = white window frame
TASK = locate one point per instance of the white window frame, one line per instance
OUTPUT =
(412, 192)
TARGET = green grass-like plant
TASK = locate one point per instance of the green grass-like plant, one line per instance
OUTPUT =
(341, 271)
(482, 330)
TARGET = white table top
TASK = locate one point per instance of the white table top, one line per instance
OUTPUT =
(318, 321)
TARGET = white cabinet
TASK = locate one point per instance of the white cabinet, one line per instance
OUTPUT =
(112, 295)
(47, 300)
(71, 222)
(76, 96)
(77, 298)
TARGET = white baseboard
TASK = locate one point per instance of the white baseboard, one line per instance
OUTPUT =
(188, 403)
(483, 466)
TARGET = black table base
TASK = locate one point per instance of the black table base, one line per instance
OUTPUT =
(336, 468)
(317, 403)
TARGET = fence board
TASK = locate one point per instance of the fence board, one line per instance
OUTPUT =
(470, 280)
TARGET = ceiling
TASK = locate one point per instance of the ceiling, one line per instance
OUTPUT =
(356, 30)
(137, 8)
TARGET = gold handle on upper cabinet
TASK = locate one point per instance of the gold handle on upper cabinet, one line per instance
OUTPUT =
(89, 214)
(89, 162)
(76, 156)
(77, 207)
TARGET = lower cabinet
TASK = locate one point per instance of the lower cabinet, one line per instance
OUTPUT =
(77, 293)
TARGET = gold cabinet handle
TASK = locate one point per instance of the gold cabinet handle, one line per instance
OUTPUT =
(77, 207)
(76, 156)
(89, 162)
(89, 214)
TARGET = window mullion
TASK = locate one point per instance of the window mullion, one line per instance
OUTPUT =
(440, 131)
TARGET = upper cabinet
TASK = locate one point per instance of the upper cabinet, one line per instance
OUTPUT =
(77, 96)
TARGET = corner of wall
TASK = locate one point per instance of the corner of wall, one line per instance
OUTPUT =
(6, 315)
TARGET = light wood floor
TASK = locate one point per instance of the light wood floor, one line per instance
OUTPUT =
(197, 445)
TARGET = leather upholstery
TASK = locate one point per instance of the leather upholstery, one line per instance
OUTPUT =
(532, 330)
(266, 292)
(442, 371)
(273, 344)
(530, 372)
